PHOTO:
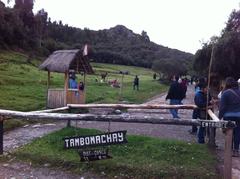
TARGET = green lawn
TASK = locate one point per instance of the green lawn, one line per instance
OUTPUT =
(141, 157)
(23, 85)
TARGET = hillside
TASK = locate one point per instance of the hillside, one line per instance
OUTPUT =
(20, 29)
(134, 49)
(117, 45)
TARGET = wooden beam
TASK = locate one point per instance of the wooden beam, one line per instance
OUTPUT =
(48, 81)
(52, 110)
(66, 79)
(1, 134)
(135, 106)
(212, 115)
(228, 154)
(91, 117)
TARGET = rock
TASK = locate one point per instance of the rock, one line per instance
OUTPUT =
(103, 173)
(36, 126)
(118, 111)
(25, 126)
(50, 124)
(46, 165)
(5, 165)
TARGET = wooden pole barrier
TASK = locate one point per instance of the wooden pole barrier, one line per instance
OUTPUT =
(133, 106)
(156, 119)
(52, 110)
(212, 130)
(1, 135)
(69, 121)
(228, 154)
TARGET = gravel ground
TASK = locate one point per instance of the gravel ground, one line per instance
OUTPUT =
(13, 139)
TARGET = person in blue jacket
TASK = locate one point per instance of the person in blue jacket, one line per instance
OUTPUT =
(230, 110)
(200, 100)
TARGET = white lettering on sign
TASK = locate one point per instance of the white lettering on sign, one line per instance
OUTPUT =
(66, 142)
(98, 139)
(71, 142)
(101, 139)
(120, 137)
(218, 124)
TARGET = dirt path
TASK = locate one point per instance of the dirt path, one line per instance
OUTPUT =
(21, 136)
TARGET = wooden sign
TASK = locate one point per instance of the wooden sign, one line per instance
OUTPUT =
(111, 138)
(94, 154)
(211, 123)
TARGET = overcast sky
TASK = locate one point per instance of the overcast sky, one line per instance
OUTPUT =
(180, 24)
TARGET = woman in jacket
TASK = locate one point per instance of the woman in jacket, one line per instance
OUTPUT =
(230, 110)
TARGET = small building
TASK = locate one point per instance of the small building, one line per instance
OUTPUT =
(66, 62)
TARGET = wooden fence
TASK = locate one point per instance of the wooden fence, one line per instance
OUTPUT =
(47, 114)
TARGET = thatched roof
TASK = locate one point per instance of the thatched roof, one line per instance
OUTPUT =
(64, 60)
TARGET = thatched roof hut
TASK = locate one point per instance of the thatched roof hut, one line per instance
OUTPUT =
(63, 60)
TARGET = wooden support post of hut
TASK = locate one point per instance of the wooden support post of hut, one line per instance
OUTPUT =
(66, 61)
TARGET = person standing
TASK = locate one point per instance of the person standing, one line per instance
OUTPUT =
(230, 110)
(200, 100)
(175, 95)
(154, 76)
(136, 83)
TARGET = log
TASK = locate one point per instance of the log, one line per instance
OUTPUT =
(228, 154)
(135, 106)
(1, 134)
(91, 117)
(52, 110)
(212, 115)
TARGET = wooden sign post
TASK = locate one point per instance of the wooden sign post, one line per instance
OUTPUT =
(228, 154)
(1, 135)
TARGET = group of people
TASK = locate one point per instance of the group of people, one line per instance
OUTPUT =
(229, 106)
(73, 84)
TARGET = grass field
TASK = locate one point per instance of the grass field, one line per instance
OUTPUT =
(23, 85)
(141, 157)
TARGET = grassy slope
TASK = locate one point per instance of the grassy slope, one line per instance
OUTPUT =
(23, 86)
(141, 157)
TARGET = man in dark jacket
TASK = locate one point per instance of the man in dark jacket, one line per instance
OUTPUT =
(136, 83)
(176, 95)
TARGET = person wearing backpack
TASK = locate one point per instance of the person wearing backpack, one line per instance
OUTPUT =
(230, 110)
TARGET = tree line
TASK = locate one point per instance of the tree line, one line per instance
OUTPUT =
(20, 28)
(225, 51)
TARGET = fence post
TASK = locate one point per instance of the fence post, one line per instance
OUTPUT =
(69, 121)
(1, 135)
(228, 153)
(211, 141)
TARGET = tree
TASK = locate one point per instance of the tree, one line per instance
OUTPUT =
(25, 8)
(202, 59)
(169, 67)
(226, 57)
(41, 24)
(145, 36)
(226, 51)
